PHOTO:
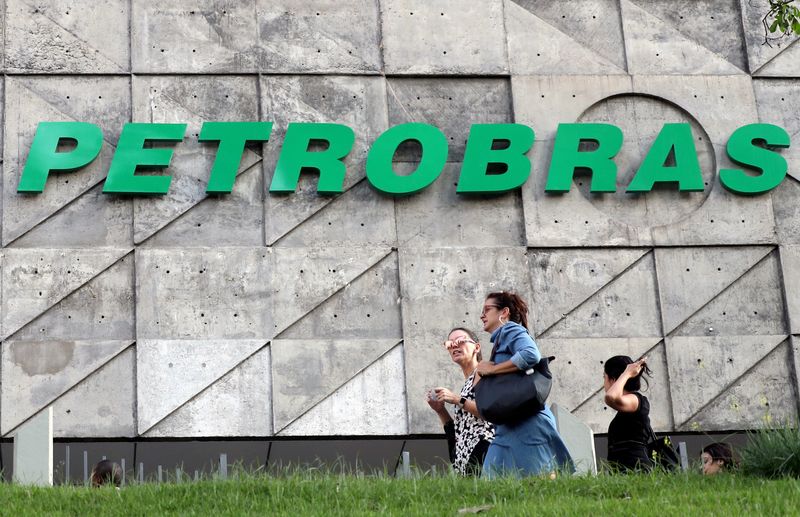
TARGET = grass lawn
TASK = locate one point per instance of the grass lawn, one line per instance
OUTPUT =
(327, 494)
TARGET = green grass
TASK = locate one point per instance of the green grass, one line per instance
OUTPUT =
(773, 452)
(329, 494)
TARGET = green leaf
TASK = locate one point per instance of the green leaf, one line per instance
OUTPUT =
(774, 26)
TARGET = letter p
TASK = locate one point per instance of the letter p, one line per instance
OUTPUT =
(45, 157)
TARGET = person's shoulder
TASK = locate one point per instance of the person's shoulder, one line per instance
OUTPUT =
(513, 329)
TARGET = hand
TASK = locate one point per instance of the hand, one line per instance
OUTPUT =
(485, 368)
(436, 405)
(445, 395)
(635, 368)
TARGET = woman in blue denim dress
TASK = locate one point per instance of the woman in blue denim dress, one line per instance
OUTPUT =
(533, 445)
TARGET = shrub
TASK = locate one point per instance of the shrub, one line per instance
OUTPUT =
(773, 452)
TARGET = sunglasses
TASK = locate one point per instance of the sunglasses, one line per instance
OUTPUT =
(487, 308)
(450, 343)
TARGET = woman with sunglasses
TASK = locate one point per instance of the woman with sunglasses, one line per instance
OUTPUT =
(532, 445)
(468, 436)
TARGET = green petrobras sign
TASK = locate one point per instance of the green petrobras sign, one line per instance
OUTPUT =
(753, 147)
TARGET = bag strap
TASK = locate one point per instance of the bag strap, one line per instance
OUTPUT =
(653, 436)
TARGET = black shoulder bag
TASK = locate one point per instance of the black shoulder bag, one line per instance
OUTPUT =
(510, 397)
(661, 452)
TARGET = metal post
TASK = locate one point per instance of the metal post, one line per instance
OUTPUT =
(684, 456)
(223, 466)
(66, 466)
(85, 467)
(406, 471)
(122, 465)
(177, 474)
(160, 476)
(141, 472)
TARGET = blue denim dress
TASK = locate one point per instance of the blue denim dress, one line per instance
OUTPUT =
(532, 446)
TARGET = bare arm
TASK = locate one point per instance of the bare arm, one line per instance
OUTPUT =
(616, 398)
(438, 407)
(445, 395)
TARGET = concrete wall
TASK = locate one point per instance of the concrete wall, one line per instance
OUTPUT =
(253, 314)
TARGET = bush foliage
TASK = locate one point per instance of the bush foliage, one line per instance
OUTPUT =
(773, 452)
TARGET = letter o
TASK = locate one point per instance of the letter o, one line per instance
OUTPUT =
(380, 173)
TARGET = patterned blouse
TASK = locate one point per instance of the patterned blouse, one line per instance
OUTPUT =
(469, 432)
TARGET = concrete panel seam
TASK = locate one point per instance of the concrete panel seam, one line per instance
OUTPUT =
(130, 48)
(786, 313)
(379, 34)
(259, 111)
(505, 44)
(660, 309)
(742, 15)
(624, 39)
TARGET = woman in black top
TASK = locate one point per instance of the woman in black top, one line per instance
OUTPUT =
(468, 435)
(629, 431)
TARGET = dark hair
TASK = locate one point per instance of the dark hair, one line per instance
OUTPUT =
(472, 336)
(106, 472)
(722, 452)
(617, 364)
(518, 309)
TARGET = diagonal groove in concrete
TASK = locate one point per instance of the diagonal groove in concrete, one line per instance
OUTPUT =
(132, 344)
(82, 192)
(59, 300)
(681, 30)
(336, 390)
(316, 213)
(575, 42)
(644, 254)
(205, 389)
(755, 72)
(724, 290)
(99, 51)
(191, 207)
(345, 286)
(733, 382)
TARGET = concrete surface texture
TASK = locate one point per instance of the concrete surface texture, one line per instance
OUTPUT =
(253, 314)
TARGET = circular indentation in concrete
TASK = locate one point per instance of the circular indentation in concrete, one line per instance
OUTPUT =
(641, 117)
